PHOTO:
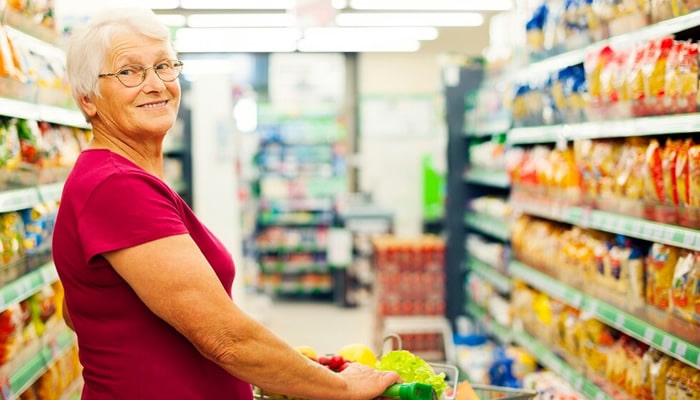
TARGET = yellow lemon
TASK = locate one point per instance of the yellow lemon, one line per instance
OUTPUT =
(308, 351)
(358, 353)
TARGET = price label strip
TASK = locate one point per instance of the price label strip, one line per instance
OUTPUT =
(610, 315)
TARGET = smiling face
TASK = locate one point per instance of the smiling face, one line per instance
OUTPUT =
(142, 113)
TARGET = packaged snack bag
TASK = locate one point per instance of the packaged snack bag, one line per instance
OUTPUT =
(681, 287)
(654, 176)
(694, 298)
(658, 370)
(660, 269)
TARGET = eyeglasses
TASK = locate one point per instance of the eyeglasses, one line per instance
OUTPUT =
(133, 75)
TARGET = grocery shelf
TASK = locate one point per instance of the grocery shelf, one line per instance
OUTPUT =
(489, 225)
(573, 57)
(51, 191)
(311, 248)
(18, 199)
(641, 330)
(37, 365)
(639, 228)
(27, 285)
(487, 177)
(492, 126)
(538, 350)
(551, 361)
(57, 115)
(632, 127)
(501, 282)
(500, 332)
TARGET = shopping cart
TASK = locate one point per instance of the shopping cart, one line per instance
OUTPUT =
(451, 373)
(486, 392)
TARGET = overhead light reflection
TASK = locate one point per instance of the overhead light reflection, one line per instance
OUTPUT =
(238, 4)
(240, 20)
(409, 19)
(437, 5)
(371, 33)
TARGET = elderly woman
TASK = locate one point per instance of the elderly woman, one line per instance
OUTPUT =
(147, 286)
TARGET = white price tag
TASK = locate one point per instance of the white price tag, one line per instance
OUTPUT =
(576, 300)
(616, 224)
(689, 239)
(48, 274)
(600, 396)
(658, 233)
(668, 235)
(619, 320)
(649, 334)
(579, 384)
(648, 232)
(593, 308)
(666, 343)
(585, 218)
(635, 228)
(681, 349)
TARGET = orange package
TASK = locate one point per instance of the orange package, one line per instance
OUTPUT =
(466, 392)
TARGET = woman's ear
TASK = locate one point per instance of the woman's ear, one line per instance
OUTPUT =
(87, 105)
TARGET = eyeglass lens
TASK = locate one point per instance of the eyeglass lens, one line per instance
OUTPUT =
(135, 74)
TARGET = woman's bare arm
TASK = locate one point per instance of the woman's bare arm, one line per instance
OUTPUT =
(174, 279)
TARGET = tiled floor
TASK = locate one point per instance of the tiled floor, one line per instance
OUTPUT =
(320, 324)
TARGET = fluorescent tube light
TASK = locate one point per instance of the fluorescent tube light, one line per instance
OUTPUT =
(358, 46)
(174, 20)
(409, 19)
(240, 20)
(152, 4)
(236, 40)
(435, 5)
(237, 4)
(371, 33)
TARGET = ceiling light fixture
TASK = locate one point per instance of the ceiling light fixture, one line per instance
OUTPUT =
(240, 20)
(238, 4)
(234, 40)
(409, 19)
(173, 20)
(358, 46)
(371, 33)
(152, 4)
(435, 5)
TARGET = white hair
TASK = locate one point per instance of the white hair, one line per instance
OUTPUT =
(89, 45)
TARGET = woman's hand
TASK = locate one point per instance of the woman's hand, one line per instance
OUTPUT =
(366, 382)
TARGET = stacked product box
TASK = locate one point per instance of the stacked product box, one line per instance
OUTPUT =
(410, 291)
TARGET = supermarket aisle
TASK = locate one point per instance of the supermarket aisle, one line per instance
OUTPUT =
(321, 325)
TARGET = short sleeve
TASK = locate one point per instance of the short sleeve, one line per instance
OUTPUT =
(126, 210)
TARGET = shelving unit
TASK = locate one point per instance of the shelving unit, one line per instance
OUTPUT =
(488, 224)
(500, 282)
(485, 177)
(39, 363)
(539, 350)
(646, 324)
(641, 330)
(300, 175)
(34, 102)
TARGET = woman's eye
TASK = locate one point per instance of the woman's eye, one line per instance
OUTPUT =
(162, 66)
(130, 70)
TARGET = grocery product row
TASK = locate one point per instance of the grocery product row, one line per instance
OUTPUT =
(39, 357)
(555, 27)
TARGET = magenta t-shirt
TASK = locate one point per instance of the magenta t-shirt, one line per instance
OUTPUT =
(128, 352)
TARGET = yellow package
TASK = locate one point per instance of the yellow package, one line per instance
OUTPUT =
(694, 175)
(661, 265)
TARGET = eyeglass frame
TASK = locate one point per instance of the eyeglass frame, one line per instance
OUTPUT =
(175, 63)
